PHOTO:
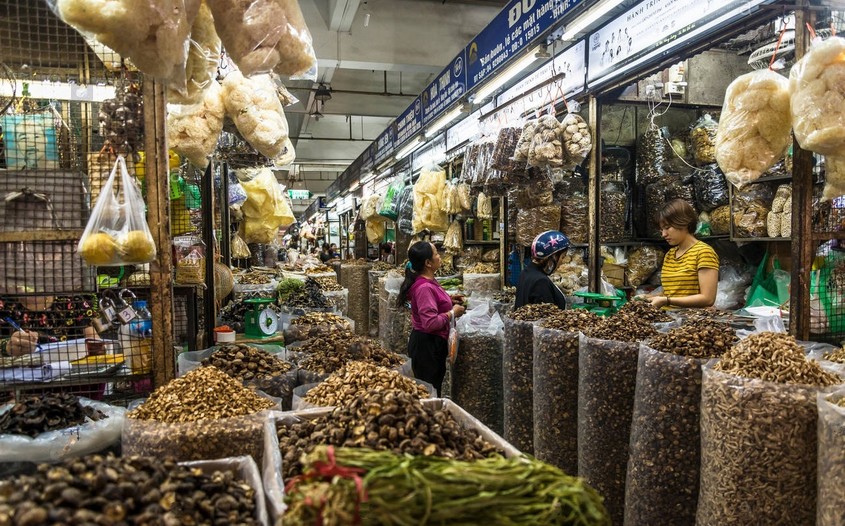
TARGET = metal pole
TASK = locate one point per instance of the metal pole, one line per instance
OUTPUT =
(594, 198)
(209, 312)
(225, 219)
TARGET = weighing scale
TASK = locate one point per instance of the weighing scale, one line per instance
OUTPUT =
(600, 304)
(260, 321)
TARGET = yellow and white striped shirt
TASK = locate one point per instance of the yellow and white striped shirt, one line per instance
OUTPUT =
(679, 276)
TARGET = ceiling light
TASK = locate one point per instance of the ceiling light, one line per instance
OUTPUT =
(410, 147)
(512, 71)
(440, 123)
(323, 93)
(582, 22)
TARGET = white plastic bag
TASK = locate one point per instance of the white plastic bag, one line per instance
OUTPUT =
(254, 105)
(117, 232)
(193, 131)
(76, 441)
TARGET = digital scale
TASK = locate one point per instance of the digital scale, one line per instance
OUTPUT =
(260, 321)
(600, 304)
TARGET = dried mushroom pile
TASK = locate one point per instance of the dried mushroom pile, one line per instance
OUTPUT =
(38, 414)
(698, 338)
(128, 490)
(309, 297)
(319, 269)
(624, 327)
(357, 378)
(327, 354)
(385, 420)
(327, 284)
(534, 312)
(245, 362)
(831, 498)
(381, 266)
(744, 480)
(645, 311)
(665, 453)
(254, 277)
(775, 357)
(837, 356)
(316, 324)
(571, 321)
(482, 268)
(206, 393)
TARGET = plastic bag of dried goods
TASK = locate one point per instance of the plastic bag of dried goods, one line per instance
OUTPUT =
(576, 138)
(465, 197)
(523, 146)
(477, 371)
(555, 409)
(607, 376)
(574, 217)
(375, 230)
(504, 150)
(546, 147)
(702, 138)
(664, 461)
(613, 206)
(817, 85)
(750, 210)
(453, 242)
(369, 208)
(92, 436)
(745, 477)
(831, 436)
(484, 207)
(678, 188)
(428, 191)
(264, 36)
(534, 221)
(651, 156)
(389, 207)
(482, 282)
(642, 263)
(711, 188)
(254, 106)
(204, 50)
(518, 382)
(152, 34)
(754, 127)
(266, 207)
(834, 176)
(405, 214)
(193, 131)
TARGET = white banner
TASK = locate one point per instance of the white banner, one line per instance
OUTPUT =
(571, 64)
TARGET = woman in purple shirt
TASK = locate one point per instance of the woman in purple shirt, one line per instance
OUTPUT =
(432, 312)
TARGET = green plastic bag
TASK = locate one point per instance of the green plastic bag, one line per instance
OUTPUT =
(389, 207)
(769, 289)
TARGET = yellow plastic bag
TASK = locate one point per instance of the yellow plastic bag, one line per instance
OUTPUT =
(266, 207)
(428, 193)
(375, 230)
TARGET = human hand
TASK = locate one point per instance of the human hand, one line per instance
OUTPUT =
(458, 310)
(658, 301)
(22, 342)
(458, 299)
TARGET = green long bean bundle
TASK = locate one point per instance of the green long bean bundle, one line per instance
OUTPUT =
(361, 486)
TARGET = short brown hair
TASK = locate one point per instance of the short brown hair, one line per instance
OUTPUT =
(679, 214)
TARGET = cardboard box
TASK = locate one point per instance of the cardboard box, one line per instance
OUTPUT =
(615, 274)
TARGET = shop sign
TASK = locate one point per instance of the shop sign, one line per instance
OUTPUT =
(654, 26)
(432, 153)
(517, 26)
(570, 66)
(367, 159)
(409, 123)
(383, 147)
(446, 89)
(299, 194)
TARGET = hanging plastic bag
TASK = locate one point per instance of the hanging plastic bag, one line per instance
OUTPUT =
(769, 288)
(240, 250)
(193, 131)
(428, 191)
(702, 139)
(266, 35)
(405, 217)
(484, 207)
(117, 232)
(453, 242)
(754, 127)
(152, 36)
(834, 176)
(369, 208)
(651, 156)
(711, 188)
(546, 147)
(266, 208)
(576, 138)
(204, 50)
(375, 230)
(389, 207)
(817, 88)
(254, 106)
(523, 146)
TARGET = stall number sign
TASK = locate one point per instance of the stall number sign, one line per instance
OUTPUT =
(299, 194)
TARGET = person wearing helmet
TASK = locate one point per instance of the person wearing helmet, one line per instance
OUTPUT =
(535, 286)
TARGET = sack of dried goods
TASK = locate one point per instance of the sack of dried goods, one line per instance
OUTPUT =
(576, 138)
(651, 156)
(523, 146)
(555, 377)
(534, 221)
(834, 176)
(546, 147)
(664, 453)
(642, 263)
(264, 36)
(711, 188)
(817, 85)
(389, 207)
(758, 433)
(831, 500)
(702, 138)
(574, 218)
(428, 191)
(204, 50)
(193, 131)
(754, 127)
(254, 106)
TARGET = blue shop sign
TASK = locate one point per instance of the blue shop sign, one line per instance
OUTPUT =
(383, 147)
(409, 123)
(446, 89)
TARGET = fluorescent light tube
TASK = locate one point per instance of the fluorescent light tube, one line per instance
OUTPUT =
(583, 22)
(412, 146)
(509, 73)
(441, 123)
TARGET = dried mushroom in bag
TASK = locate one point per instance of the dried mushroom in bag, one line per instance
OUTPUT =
(642, 263)
(750, 209)
(651, 156)
(523, 147)
(711, 188)
(577, 140)
(831, 499)
(546, 147)
(702, 138)
(504, 151)
(574, 220)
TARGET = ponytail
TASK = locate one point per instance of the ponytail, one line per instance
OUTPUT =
(418, 254)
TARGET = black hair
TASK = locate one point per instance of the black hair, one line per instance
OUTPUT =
(418, 254)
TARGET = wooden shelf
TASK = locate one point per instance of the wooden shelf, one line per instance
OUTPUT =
(40, 235)
(475, 242)
(746, 239)
(827, 236)
(772, 179)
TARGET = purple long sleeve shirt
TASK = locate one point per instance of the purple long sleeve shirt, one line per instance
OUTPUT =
(430, 306)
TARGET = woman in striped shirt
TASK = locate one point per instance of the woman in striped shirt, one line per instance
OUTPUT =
(690, 270)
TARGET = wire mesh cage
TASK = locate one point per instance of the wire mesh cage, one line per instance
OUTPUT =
(70, 107)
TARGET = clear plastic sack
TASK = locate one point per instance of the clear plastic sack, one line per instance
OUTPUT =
(518, 381)
(254, 106)
(614, 205)
(465, 197)
(453, 242)
(711, 188)
(556, 398)
(54, 446)
(754, 126)
(356, 279)
(651, 156)
(375, 230)
(574, 219)
(744, 479)
(546, 147)
(831, 461)
(389, 207)
(428, 191)
(607, 377)
(834, 176)
(484, 207)
(152, 34)
(370, 206)
(503, 153)
(702, 138)
(817, 85)
(264, 36)
(204, 50)
(193, 131)
(526, 138)
(576, 138)
(405, 216)
(117, 232)
(240, 250)
(750, 210)
(482, 282)
(374, 276)
(266, 208)
(642, 263)
(534, 221)
(664, 458)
